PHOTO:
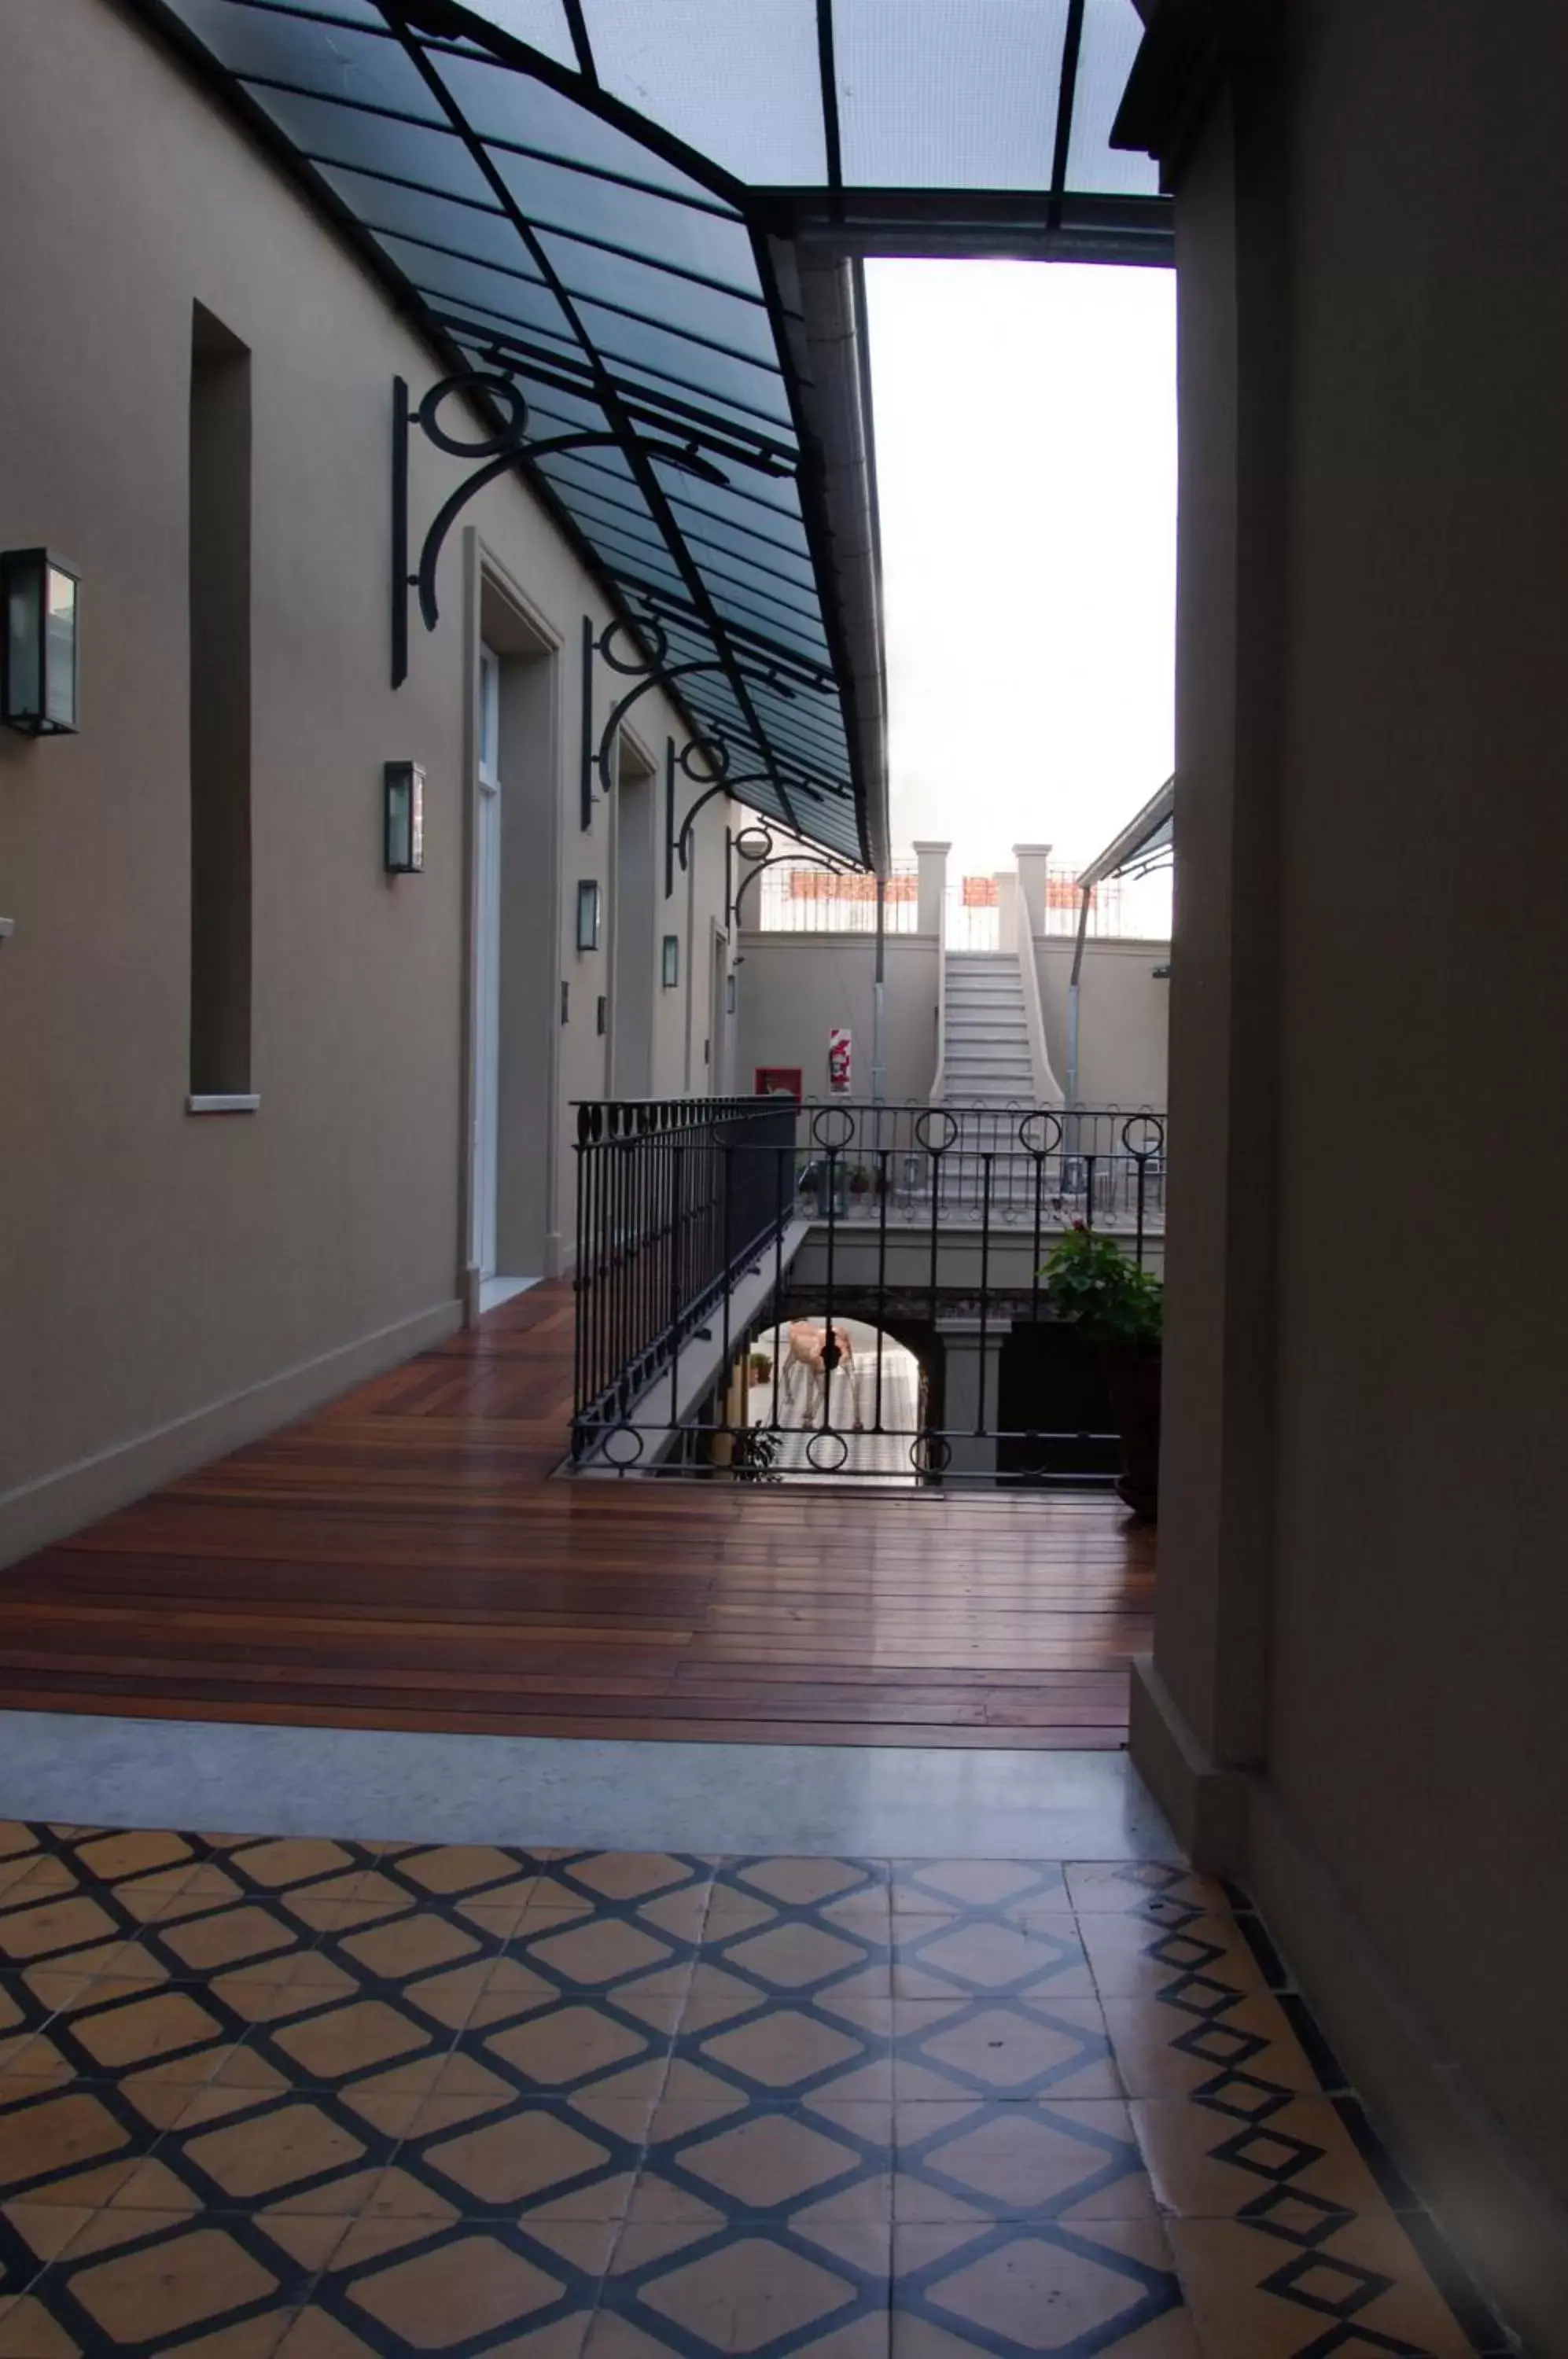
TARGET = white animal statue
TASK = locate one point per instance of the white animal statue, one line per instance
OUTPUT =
(809, 1352)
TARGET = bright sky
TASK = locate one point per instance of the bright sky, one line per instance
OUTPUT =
(1026, 460)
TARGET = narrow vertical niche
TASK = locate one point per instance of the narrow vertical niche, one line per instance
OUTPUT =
(219, 709)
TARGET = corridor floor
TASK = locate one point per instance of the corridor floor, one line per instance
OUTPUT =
(339, 2099)
(405, 1560)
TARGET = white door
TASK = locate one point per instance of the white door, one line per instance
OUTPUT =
(487, 966)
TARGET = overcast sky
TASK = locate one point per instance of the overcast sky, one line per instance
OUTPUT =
(1025, 458)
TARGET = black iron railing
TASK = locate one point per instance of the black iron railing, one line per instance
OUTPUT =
(673, 1196)
(709, 1228)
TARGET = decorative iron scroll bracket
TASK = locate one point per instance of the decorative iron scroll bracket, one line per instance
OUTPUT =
(638, 654)
(509, 446)
(752, 849)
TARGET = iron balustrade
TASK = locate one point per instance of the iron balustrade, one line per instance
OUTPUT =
(924, 1221)
(673, 1196)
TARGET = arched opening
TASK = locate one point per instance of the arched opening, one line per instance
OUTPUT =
(846, 1402)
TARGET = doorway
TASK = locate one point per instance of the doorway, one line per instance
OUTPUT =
(633, 921)
(487, 973)
(718, 988)
(512, 957)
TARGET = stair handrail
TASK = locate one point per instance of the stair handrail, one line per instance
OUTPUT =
(1047, 1089)
(939, 1080)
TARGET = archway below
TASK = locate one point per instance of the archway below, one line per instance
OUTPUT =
(855, 1421)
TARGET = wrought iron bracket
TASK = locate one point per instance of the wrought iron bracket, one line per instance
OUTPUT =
(753, 850)
(638, 654)
(511, 444)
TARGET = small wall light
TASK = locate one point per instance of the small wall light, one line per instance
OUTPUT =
(601, 1013)
(38, 653)
(403, 784)
(729, 995)
(589, 902)
(670, 969)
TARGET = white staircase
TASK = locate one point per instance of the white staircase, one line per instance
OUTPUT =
(987, 1053)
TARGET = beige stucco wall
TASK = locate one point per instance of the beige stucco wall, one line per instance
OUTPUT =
(1420, 1619)
(1123, 1018)
(793, 989)
(1362, 1603)
(152, 1262)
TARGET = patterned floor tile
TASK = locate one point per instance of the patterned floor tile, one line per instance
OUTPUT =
(1125, 1885)
(781, 2163)
(1021, 2288)
(792, 2051)
(969, 1888)
(942, 1957)
(981, 2160)
(1193, 2040)
(1014, 2048)
(333, 2098)
(682, 2289)
(1253, 2300)
(571, 2160)
(1291, 2171)
(1138, 1956)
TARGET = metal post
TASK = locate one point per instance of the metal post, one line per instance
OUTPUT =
(1073, 1125)
(878, 1069)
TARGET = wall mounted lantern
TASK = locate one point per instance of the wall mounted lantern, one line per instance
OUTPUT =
(669, 968)
(601, 1015)
(729, 995)
(403, 787)
(589, 906)
(39, 655)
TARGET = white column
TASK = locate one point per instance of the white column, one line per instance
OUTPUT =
(972, 1381)
(1033, 863)
(932, 886)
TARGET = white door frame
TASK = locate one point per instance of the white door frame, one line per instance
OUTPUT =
(487, 981)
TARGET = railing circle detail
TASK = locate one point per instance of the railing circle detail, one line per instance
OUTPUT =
(1040, 1133)
(922, 1131)
(835, 1116)
(827, 1465)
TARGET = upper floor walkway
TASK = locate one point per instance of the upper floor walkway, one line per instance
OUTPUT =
(403, 1560)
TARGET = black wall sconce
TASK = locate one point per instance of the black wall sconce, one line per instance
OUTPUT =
(590, 904)
(403, 792)
(601, 1015)
(39, 657)
(670, 965)
(729, 995)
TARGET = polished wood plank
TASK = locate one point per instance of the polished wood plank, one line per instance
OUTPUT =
(406, 1558)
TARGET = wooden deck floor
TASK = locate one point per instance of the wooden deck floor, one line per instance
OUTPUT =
(404, 1560)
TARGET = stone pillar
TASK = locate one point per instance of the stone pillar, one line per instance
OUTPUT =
(972, 1389)
(1211, 96)
(1034, 861)
(932, 890)
(1007, 910)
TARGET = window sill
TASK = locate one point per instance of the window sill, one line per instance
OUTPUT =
(241, 1102)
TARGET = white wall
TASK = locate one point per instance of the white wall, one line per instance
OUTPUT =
(153, 1265)
(794, 988)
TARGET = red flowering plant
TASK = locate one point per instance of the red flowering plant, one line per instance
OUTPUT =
(1091, 1281)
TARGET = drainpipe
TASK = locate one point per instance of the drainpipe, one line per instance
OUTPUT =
(878, 1069)
(1073, 982)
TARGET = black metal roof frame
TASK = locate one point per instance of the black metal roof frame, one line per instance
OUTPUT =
(654, 320)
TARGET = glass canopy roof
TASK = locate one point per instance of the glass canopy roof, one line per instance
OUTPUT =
(601, 199)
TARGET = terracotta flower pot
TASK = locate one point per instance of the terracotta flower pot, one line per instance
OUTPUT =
(1132, 1379)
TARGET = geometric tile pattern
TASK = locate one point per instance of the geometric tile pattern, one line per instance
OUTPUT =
(334, 2099)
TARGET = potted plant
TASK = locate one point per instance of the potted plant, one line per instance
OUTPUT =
(760, 1367)
(1119, 1309)
(859, 1181)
